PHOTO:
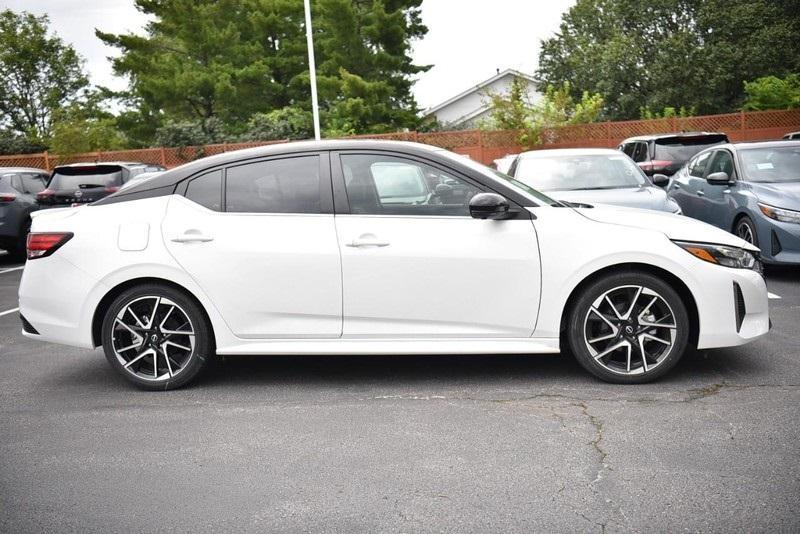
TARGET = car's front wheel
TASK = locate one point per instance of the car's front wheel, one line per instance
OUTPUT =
(628, 328)
(746, 229)
(156, 337)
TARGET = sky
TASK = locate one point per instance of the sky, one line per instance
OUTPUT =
(467, 40)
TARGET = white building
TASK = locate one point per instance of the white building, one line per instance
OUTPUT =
(468, 108)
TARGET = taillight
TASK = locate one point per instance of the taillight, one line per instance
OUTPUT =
(41, 245)
(45, 196)
(7, 197)
(656, 165)
(112, 189)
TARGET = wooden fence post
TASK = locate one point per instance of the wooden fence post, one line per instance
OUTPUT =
(46, 160)
(742, 124)
(480, 146)
(608, 131)
(163, 157)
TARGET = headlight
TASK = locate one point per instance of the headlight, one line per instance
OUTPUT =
(738, 258)
(780, 214)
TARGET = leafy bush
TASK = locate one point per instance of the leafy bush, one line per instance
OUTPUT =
(771, 92)
(284, 123)
(13, 143)
(190, 133)
(78, 135)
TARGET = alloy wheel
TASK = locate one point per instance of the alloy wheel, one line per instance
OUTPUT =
(153, 338)
(745, 232)
(630, 330)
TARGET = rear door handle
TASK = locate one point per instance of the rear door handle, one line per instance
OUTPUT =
(367, 240)
(192, 236)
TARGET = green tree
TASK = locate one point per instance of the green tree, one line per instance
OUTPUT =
(284, 123)
(39, 75)
(771, 92)
(671, 53)
(556, 108)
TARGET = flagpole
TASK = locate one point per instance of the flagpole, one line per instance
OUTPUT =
(312, 68)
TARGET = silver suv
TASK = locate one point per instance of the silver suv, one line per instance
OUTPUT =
(18, 189)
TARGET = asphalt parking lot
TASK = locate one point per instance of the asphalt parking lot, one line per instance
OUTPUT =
(407, 444)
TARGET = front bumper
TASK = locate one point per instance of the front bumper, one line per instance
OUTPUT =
(779, 241)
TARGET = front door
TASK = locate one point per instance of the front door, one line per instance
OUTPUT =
(259, 238)
(416, 265)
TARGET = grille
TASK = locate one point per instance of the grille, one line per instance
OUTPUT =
(776, 244)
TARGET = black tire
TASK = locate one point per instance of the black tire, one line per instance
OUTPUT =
(192, 362)
(746, 229)
(581, 319)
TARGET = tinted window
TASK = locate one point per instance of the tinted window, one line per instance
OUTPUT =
(387, 185)
(640, 153)
(85, 177)
(698, 166)
(628, 148)
(682, 148)
(722, 162)
(206, 190)
(288, 185)
(32, 183)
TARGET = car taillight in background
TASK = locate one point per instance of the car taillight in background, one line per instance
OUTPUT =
(656, 165)
(7, 197)
(45, 197)
(112, 189)
(41, 245)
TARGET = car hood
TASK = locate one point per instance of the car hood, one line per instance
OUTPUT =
(675, 227)
(650, 198)
(784, 195)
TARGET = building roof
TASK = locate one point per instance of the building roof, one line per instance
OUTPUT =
(478, 87)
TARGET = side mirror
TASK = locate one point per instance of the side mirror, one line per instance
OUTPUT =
(490, 206)
(718, 178)
(660, 180)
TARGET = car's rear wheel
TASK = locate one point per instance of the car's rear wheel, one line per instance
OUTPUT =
(746, 229)
(628, 328)
(156, 337)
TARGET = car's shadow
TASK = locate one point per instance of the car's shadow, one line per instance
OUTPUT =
(6, 260)
(782, 273)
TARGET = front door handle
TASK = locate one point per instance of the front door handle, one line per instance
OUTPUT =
(701, 194)
(367, 240)
(192, 236)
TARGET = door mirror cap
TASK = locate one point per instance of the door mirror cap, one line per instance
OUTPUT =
(718, 178)
(660, 179)
(490, 206)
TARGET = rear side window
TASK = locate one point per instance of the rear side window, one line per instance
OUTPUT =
(290, 185)
(640, 152)
(86, 177)
(206, 190)
(697, 168)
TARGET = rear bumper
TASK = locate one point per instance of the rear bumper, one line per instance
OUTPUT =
(54, 305)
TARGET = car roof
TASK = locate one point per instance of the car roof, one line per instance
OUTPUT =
(571, 152)
(23, 169)
(97, 163)
(668, 135)
(747, 145)
(172, 176)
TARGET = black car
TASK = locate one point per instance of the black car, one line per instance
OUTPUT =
(666, 153)
(18, 189)
(82, 183)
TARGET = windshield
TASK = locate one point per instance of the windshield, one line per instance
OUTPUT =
(683, 148)
(72, 178)
(771, 165)
(520, 187)
(569, 173)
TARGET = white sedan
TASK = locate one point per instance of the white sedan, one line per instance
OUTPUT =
(376, 247)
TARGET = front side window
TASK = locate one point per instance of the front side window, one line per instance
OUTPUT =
(640, 153)
(722, 162)
(290, 185)
(206, 190)
(697, 167)
(388, 185)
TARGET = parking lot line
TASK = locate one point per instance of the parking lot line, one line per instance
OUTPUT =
(12, 269)
(773, 296)
(8, 311)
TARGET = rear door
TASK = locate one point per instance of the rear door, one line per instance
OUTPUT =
(259, 238)
(416, 265)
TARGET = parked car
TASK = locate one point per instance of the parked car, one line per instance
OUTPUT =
(792, 135)
(18, 189)
(591, 176)
(504, 164)
(666, 153)
(330, 248)
(750, 189)
(82, 183)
